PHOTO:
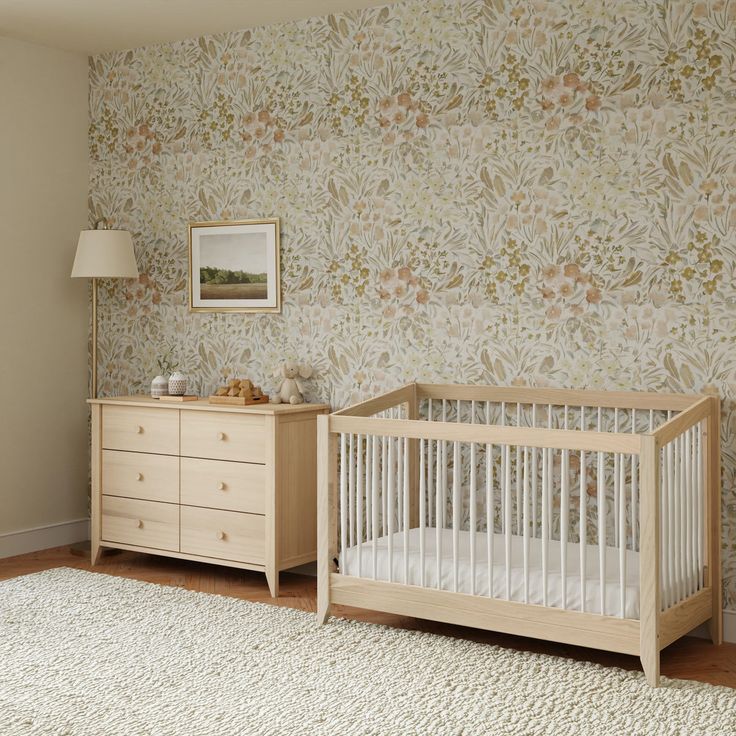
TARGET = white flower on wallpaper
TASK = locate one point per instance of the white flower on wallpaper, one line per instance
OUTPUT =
(474, 191)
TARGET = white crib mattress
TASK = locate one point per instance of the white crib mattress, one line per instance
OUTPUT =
(612, 587)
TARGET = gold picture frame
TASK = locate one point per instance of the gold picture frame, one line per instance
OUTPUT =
(235, 266)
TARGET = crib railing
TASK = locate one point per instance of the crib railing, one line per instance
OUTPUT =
(514, 482)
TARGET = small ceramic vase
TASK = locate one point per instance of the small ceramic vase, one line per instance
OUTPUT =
(177, 384)
(159, 387)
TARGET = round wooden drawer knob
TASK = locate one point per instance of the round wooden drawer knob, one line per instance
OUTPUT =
(221, 486)
(139, 476)
(139, 429)
(140, 524)
(221, 436)
(221, 535)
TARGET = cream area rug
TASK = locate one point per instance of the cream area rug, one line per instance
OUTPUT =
(89, 654)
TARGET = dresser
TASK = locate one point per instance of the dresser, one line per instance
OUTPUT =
(228, 485)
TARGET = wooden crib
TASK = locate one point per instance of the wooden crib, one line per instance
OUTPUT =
(584, 517)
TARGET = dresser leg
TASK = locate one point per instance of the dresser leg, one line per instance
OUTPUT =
(272, 576)
(95, 552)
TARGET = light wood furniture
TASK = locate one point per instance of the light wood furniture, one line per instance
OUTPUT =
(666, 505)
(231, 485)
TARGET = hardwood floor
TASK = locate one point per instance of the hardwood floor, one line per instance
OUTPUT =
(689, 658)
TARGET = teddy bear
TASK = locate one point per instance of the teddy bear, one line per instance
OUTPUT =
(292, 389)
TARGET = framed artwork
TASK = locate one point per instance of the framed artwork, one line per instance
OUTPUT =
(234, 266)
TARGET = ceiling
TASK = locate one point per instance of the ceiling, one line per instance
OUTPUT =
(94, 26)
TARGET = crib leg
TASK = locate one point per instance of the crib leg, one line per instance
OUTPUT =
(649, 602)
(327, 482)
(323, 610)
(650, 663)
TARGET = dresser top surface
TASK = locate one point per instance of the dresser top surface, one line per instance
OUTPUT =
(204, 405)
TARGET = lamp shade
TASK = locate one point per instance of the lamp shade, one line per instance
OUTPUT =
(105, 254)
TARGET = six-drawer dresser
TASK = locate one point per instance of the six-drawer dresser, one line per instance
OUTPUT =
(224, 484)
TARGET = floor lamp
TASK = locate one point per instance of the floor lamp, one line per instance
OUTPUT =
(103, 254)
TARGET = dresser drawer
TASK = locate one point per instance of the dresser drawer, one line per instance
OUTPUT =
(139, 475)
(222, 436)
(140, 429)
(226, 535)
(221, 484)
(143, 523)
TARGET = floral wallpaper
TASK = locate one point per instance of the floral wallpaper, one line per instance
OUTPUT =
(503, 191)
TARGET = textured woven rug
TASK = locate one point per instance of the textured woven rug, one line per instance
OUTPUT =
(84, 653)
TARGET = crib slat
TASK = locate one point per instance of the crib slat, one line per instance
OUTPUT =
(439, 502)
(685, 514)
(545, 522)
(390, 504)
(507, 518)
(686, 518)
(399, 484)
(634, 489)
(359, 505)
(368, 487)
(696, 521)
(405, 442)
(455, 512)
(506, 506)
(616, 487)
(601, 524)
(700, 496)
(473, 510)
(351, 490)
(622, 535)
(677, 548)
(374, 501)
(525, 515)
(682, 529)
(430, 466)
(443, 447)
(422, 509)
(343, 503)
(689, 508)
(564, 510)
(673, 563)
(518, 474)
(384, 485)
(490, 507)
(534, 476)
(583, 518)
(667, 525)
(694, 503)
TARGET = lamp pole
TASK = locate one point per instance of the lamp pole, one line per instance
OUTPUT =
(94, 337)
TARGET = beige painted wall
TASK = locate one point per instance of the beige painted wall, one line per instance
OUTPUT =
(43, 324)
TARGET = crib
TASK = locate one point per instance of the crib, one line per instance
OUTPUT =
(584, 517)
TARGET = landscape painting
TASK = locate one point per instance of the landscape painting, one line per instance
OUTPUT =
(234, 266)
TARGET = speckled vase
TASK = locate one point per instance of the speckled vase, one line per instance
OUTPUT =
(159, 387)
(177, 384)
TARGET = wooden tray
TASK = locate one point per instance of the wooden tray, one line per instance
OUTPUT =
(237, 400)
(178, 398)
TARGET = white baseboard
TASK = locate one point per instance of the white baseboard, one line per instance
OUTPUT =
(729, 628)
(43, 537)
(310, 568)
